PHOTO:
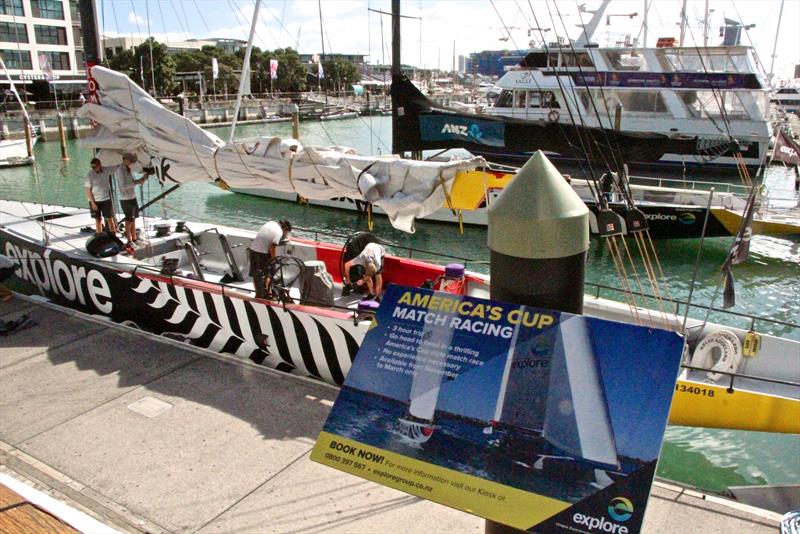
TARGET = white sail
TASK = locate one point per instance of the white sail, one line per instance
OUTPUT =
(430, 369)
(577, 419)
(129, 120)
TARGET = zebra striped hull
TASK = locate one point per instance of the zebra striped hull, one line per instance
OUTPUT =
(292, 338)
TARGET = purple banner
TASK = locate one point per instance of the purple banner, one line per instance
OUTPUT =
(676, 80)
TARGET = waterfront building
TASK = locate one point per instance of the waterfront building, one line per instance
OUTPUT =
(42, 47)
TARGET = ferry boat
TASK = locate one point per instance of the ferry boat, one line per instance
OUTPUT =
(786, 99)
(708, 92)
(189, 282)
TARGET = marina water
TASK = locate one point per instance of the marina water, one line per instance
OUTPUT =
(766, 285)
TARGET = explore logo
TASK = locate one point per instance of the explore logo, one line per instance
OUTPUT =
(473, 131)
(620, 509)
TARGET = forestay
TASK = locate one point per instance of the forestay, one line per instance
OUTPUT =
(130, 120)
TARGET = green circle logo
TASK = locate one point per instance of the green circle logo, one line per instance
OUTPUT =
(620, 509)
(687, 218)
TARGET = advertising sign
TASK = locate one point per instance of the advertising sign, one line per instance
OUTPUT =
(524, 416)
(463, 129)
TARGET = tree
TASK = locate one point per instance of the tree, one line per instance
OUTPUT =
(339, 75)
(140, 71)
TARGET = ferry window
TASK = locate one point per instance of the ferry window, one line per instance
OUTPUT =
(577, 59)
(48, 9)
(552, 59)
(642, 101)
(50, 35)
(12, 7)
(17, 59)
(519, 99)
(734, 108)
(11, 32)
(504, 100)
(549, 100)
(702, 103)
(534, 99)
(626, 61)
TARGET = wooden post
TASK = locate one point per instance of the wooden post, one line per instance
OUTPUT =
(618, 117)
(295, 122)
(62, 137)
(28, 139)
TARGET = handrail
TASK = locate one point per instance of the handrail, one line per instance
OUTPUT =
(679, 303)
(733, 375)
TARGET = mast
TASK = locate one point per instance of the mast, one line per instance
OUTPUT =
(92, 51)
(245, 69)
(705, 25)
(775, 46)
(395, 72)
(683, 23)
(322, 56)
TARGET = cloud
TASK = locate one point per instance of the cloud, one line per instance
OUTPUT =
(133, 18)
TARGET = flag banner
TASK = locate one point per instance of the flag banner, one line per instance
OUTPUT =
(740, 250)
(537, 419)
(320, 72)
(214, 68)
(273, 69)
(786, 149)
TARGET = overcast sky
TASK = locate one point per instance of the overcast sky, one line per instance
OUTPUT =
(470, 25)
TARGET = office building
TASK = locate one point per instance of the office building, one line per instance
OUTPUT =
(42, 47)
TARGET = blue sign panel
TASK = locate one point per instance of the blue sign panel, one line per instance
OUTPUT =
(522, 415)
(463, 129)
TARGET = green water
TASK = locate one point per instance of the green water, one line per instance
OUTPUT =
(767, 284)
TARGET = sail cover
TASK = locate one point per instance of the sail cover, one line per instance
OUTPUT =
(129, 120)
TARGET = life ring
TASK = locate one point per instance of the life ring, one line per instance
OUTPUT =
(729, 349)
(552, 116)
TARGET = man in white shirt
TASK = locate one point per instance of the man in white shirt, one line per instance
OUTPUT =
(98, 192)
(368, 269)
(262, 250)
(126, 184)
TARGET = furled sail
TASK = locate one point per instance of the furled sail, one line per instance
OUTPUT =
(130, 120)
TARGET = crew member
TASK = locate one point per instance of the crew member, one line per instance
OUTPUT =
(262, 250)
(126, 184)
(98, 193)
(367, 271)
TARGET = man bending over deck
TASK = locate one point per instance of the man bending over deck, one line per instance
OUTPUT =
(367, 268)
(262, 250)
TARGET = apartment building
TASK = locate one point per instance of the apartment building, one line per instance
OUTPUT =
(42, 46)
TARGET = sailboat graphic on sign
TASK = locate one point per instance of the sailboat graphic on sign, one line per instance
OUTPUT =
(551, 410)
(429, 372)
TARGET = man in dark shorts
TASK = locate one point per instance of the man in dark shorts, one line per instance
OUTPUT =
(126, 185)
(262, 250)
(98, 192)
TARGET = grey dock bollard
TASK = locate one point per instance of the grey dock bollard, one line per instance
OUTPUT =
(538, 237)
